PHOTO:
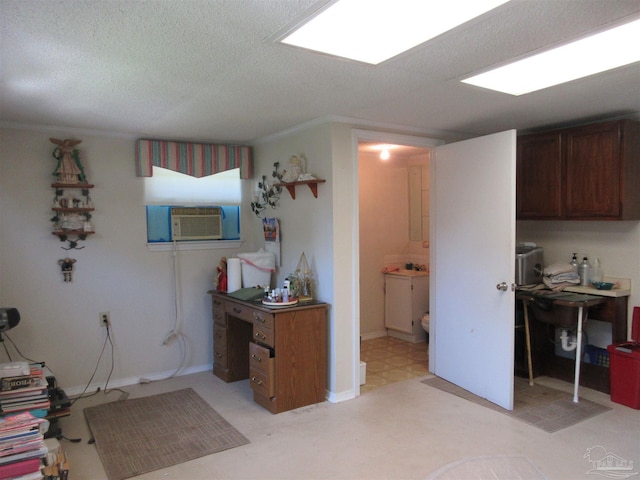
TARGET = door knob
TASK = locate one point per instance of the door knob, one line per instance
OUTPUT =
(502, 286)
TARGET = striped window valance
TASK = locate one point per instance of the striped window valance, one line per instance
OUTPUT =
(195, 159)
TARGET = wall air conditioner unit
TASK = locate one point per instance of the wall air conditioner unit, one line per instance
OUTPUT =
(196, 223)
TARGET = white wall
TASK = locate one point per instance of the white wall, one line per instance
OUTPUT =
(114, 271)
(306, 223)
(616, 243)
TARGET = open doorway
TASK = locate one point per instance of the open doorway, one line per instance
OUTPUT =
(393, 180)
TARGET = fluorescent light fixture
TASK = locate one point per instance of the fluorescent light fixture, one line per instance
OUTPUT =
(600, 52)
(373, 31)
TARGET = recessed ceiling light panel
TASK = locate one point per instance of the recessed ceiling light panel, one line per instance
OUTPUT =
(373, 31)
(600, 52)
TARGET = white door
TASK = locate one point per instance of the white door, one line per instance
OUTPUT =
(472, 253)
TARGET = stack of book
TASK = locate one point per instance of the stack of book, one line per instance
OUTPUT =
(23, 387)
(24, 402)
(21, 446)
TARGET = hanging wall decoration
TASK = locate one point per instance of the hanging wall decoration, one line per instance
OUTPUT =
(69, 169)
(267, 195)
(66, 264)
(72, 218)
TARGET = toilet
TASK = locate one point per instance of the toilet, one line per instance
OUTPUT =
(425, 324)
(425, 321)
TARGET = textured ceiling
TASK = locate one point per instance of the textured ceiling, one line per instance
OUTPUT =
(209, 70)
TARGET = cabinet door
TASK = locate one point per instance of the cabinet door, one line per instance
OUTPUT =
(539, 176)
(593, 171)
(398, 303)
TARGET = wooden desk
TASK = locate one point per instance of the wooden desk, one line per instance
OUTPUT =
(282, 351)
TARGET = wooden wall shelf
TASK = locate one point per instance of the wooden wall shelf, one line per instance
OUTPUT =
(72, 185)
(65, 233)
(73, 209)
(291, 186)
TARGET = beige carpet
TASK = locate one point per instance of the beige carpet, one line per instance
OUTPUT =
(545, 408)
(145, 434)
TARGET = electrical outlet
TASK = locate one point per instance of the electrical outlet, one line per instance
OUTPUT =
(105, 319)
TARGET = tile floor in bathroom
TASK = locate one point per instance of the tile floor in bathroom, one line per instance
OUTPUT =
(391, 360)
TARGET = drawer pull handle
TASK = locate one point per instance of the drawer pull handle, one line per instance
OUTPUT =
(257, 358)
(260, 336)
(255, 380)
(237, 310)
(218, 355)
(257, 318)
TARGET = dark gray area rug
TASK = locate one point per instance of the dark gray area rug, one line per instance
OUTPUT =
(545, 408)
(141, 435)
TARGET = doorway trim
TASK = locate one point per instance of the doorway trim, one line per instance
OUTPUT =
(358, 135)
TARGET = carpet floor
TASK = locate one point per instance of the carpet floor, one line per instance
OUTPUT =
(141, 435)
(545, 408)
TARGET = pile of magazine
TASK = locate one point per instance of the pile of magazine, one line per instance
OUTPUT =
(22, 446)
(24, 404)
(23, 387)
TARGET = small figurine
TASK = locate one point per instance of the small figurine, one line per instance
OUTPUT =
(221, 278)
(293, 171)
(67, 268)
(69, 169)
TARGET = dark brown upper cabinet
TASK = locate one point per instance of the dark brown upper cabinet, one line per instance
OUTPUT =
(590, 172)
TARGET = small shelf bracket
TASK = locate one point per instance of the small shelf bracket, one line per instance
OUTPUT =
(291, 186)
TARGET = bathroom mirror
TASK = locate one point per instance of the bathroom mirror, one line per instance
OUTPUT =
(415, 203)
(419, 201)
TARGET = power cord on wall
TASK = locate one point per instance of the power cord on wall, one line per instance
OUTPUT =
(176, 331)
(104, 345)
(6, 335)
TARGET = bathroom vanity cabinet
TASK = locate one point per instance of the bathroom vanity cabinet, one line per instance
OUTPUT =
(406, 299)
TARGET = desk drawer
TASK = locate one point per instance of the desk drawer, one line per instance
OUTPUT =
(261, 370)
(263, 335)
(220, 346)
(265, 320)
(239, 311)
(219, 317)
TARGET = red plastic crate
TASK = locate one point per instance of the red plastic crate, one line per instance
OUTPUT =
(624, 369)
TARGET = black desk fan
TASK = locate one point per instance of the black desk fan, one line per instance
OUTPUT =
(9, 318)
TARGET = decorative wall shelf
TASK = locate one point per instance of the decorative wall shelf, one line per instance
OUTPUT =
(71, 213)
(291, 186)
(72, 210)
(63, 234)
(71, 185)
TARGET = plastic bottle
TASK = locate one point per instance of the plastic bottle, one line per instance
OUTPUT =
(596, 271)
(574, 262)
(584, 270)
